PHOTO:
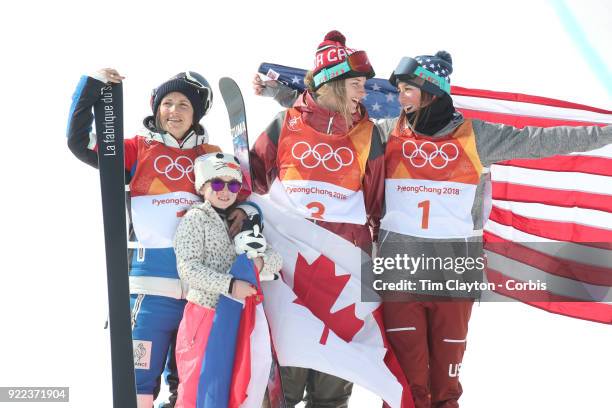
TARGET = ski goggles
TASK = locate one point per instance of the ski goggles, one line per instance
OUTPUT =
(409, 69)
(357, 63)
(218, 184)
(196, 82)
(193, 81)
(201, 85)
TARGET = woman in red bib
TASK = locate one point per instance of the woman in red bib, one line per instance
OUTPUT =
(437, 167)
(159, 163)
(323, 157)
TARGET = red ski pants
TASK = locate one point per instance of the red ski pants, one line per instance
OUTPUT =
(429, 340)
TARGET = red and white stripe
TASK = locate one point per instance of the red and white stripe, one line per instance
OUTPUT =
(563, 199)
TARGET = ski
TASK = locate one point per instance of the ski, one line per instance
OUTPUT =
(234, 103)
(108, 113)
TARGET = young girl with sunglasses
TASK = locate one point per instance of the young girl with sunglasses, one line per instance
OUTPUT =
(158, 168)
(205, 253)
(327, 117)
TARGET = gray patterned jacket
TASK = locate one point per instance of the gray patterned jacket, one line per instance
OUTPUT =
(205, 254)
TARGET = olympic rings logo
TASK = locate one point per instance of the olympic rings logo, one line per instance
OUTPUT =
(174, 169)
(322, 153)
(419, 156)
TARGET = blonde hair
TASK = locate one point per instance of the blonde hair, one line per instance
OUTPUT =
(335, 93)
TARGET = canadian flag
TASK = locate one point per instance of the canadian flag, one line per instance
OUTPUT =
(315, 313)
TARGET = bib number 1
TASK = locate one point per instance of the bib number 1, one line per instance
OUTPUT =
(425, 217)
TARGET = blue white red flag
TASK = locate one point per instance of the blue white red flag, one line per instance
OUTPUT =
(236, 363)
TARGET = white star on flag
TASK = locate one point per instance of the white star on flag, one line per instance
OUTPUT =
(295, 80)
(376, 107)
(375, 87)
(390, 97)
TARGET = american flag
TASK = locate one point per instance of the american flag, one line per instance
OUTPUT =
(550, 218)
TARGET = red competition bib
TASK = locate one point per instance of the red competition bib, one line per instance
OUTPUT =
(321, 174)
(431, 183)
(162, 190)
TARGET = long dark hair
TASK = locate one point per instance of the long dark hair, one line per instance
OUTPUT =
(422, 114)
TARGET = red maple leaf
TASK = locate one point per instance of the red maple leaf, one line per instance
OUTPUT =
(317, 288)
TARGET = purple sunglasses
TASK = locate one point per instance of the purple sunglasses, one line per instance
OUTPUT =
(218, 184)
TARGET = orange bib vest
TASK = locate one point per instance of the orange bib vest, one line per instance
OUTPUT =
(162, 189)
(431, 183)
(321, 175)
